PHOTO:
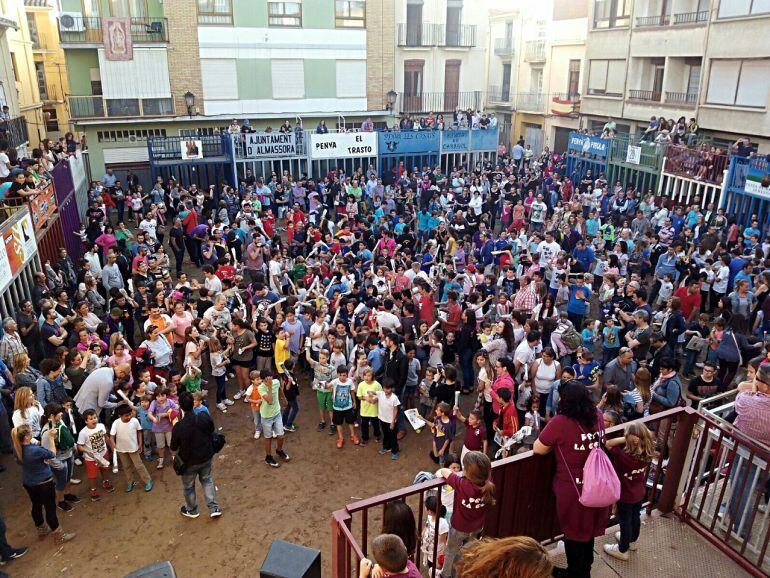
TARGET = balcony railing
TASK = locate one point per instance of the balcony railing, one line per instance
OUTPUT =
(442, 102)
(681, 98)
(659, 20)
(462, 36)
(88, 30)
(697, 164)
(644, 95)
(701, 16)
(532, 101)
(427, 35)
(504, 46)
(499, 94)
(82, 107)
(534, 51)
(14, 131)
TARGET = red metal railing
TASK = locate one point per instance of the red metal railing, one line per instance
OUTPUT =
(701, 164)
(525, 504)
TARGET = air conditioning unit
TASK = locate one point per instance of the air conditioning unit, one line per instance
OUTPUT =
(132, 138)
(71, 22)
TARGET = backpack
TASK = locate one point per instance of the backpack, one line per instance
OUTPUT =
(572, 339)
(601, 485)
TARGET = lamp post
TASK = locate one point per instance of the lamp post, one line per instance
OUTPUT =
(391, 99)
(189, 101)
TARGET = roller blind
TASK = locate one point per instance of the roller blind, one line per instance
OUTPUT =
(616, 76)
(351, 78)
(723, 79)
(220, 79)
(597, 75)
(288, 78)
(754, 83)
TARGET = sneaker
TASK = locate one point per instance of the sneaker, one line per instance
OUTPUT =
(393, 456)
(340, 443)
(61, 537)
(72, 498)
(18, 553)
(222, 407)
(78, 462)
(160, 464)
(74, 481)
(382, 451)
(356, 440)
(762, 508)
(65, 506)
(362, 444)
(95, 497)
(108, 486)
(270, 461)
(321, 426)
(129, 487)
(614, 551)
(215, 513)
(228, 402)
(257, 435)
(332, 429)
(189, 513)
(631, 545)
(290, 428)
(231, 375)
(239, 394)
(147, 457)
(283, 455)
(149, 486)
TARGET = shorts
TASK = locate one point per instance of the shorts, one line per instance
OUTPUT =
(324, 400)
(340, 416)
(248, 363)
(162, 439)
(92, 468)
(62, 475)
(410, 390)
(272, 427)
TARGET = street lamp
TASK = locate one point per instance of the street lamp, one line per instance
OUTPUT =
(189, 101)
(391, 99)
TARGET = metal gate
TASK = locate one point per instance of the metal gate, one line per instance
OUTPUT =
(533, 136)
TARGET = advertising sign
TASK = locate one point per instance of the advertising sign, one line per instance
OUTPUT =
(409, 142)
(455, 141)
(758, 183)
(42, 206)
(588, 144)
(270, 145)
(484, 140)
(634, 154)
(18, 246)
(192, 149)
(343, 145)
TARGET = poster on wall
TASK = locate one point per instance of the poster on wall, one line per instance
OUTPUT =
(42, 207)
(270, 145)
(118, 44)
(17, 248)
(758, 182)
(192, 150)
(343, 145)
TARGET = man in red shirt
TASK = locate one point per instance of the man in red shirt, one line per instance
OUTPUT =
(454, 313)
(691, 300)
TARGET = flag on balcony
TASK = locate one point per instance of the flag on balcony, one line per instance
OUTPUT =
(118, 44)
(564, 106)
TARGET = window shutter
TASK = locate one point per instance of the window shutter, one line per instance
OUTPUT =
(351, 78)
(754, 83)
(219, 78)
(723, 79)
(597, 76)
(288, 78)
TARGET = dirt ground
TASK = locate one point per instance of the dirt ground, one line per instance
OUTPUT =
(123, 532)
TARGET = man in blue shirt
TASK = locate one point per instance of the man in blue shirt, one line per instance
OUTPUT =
(584, 254)
(667, 264)
(579, 303)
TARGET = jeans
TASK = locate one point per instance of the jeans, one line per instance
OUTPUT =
(203, 472)
(466, 364)
(455, 541)
(257, 417)
(580, 558)
(389, 438)
(630, 523)
(221, 387)
(690, 356)
(375, 423)
(43, 497)
(5, 547)
(290, 412)
(577, 320)
(179, 258)
(746, 482)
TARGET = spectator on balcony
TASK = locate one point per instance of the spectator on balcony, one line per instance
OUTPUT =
(742, 147)
(608, 131)
(692, 132)
(663, 137)
(234, 127)
(19, 188)
(652, 128)
(5, 161)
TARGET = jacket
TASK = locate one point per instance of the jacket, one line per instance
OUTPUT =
(191, 438)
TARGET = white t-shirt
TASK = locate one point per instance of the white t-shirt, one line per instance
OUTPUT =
(125, 435)
(525, 355)
(318, 343)
(548, 252)
(4, 170)
(149, 226)
(275, 273)
(94, 440)
(213, 284)
(385, 406)
(386, 321)
(34, 413)
(721, 279)
(537, 212)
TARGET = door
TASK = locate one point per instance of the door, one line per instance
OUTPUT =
(533, 136)
(451, 85)
(509, 33)
(414, 23)
(413, 85)
(657, 82)
(506, 87)
(693, 81)
(453, 29)
(573, 82)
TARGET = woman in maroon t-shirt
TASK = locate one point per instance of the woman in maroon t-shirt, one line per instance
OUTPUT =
(573, 433)
(631, 465)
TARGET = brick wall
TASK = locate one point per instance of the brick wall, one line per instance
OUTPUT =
(184, 69)
(380, 51)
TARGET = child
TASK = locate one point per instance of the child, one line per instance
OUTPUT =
(630, 464)
(443, 433)
(219, 362)
(94, 354)
(589, 335)
(412, 376)
(191, 380)
(507, 423)
(474, 492)
(434, 509)
(199, 402)
(367, 409)
(426, 403)
(610, 341)
(291, 393)
(281, 351)
(142, 414)
(475, 439)
(126, 435)
(387, 412)
(337, 358)
(665, 291)
(255, 400)
(436, 340)
(161, 412)
(323, 373)
(61, 443)
(270, 412)
(96, 446)
(144, 380)
(343, 405)
(74, 422)
(391, 559)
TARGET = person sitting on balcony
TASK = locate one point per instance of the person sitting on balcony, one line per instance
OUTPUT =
(19, 188)
(742, 147)
(663, 137)
(652, 128)
(692, 132)
(5, 161)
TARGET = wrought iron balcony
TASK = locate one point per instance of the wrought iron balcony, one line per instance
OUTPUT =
(689, 98)
(440, 102)
(530, 101)
(700, 17)
(425, 35)
(659, 20)
(534, 51)
(504, 46)
(88, 30)
(499, 94)
(644, 95)
(14, 131)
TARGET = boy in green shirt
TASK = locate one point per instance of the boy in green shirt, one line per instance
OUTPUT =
(270, 412)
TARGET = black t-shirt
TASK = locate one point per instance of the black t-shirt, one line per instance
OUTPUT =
(700, 388)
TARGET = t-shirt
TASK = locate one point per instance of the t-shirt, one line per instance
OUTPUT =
(630, 471)
(342, 399)
(468, 508)
(160, 411)
(700, 388)
(643, 337)
(474, 437)
(385, 406)
(269, 410)
(125, 435)
(94, 440)
(368, 409)
(579, 299)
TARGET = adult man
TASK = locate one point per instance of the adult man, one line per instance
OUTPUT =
(111, 275)
(620, 371)
(660, 350)
(96, 389)
(52, 335)
(396, 363)
(191, 440)
(639, 339)
(109, 180)
(537, 214)
(11, 344)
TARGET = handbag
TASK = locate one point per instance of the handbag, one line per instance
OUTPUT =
(179, 465)
(218, 441)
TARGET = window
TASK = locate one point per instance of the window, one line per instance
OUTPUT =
(573, 79)
(219, 78)
(612, 13)
(40, 74)
(128, 8)
(606, 77)
(738, 8)
(284, 14)
(123, 107)
(288, 78)
(34, 35)
(215, 12)
(350, 13)
(157, 106)
(739, 83)
(351, 78)
(51, 121)
(15, 67)
(129, 135)
(96, 81)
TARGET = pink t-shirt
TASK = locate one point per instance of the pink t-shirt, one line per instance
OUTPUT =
(181, 323)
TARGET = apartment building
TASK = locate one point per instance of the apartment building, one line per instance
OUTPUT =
(535, 61)
(694, 58)
(440, 55)
(142, 68)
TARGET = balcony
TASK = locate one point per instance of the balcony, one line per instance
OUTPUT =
(87, 107)
(565, 104)
(681, 19)
(697, 164)
(534, 51)
(429, 35)
(15, 132)
(42, 42)
(644, 95)
(530, 101)
(501, 94)
(88, 30)
(504, 46)
(440, 102)
(646, 21)
(700, 17)
(688, 99)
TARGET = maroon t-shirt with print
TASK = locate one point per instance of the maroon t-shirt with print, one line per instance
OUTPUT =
(474, 437)
(631, 471)
(468, 509)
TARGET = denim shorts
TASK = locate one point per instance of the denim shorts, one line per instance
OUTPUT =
(63, 474)
(272, 427)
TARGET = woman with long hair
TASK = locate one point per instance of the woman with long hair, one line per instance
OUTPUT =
(24, 375)
(467, 344)
(485, 376)
(512, 557)
(242, 358)
(37, 479)
(502, 343)
(573, 433)
(27, 410)
(398, 519)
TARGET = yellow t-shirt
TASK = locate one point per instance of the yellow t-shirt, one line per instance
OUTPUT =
(281, 353)
(368, 409)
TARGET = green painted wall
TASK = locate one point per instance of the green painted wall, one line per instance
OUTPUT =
(71, 6)
(318, 14)
(79, 65)
(320, 79)
(254, 78)
(250, 13)
(154, 7)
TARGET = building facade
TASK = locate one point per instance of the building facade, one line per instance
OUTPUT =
(194, 65)
(701, 59)
(440, 55)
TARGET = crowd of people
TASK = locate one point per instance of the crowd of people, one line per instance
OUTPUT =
(563, 306)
